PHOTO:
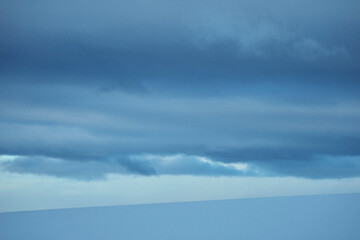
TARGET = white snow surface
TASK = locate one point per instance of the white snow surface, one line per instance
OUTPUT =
(301, 217)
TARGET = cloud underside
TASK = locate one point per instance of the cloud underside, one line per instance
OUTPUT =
(136, 165)
(180, 164)
(207, 88)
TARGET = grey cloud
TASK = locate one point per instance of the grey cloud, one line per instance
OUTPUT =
(335, 161)
(60, 168)
(320, 166)
(136, 164)
(310, 50)
(126, 45)
(82, 170)
(84, 81)
(191, 165)
(95, 127)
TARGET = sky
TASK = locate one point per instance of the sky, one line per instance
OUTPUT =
(166, 91)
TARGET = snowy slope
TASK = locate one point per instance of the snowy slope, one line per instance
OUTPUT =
(306, 217)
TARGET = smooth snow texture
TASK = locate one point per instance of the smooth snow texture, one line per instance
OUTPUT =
(305, 217)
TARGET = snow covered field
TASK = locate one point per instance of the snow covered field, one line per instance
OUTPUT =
(303, 217)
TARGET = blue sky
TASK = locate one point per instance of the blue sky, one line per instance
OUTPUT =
(235, 89)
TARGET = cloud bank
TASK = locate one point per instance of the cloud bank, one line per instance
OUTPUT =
(89, 88)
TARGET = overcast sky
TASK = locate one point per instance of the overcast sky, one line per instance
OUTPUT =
(237, 89)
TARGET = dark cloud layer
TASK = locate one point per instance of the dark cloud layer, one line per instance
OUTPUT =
(148, 165)
(272, 85)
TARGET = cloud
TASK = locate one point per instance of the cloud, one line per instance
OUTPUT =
(310, 50)
(86, 81)
(192, 165)
(133, 46)
(80, 124)
(320, 166)
(57, 167)
(137, 165)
